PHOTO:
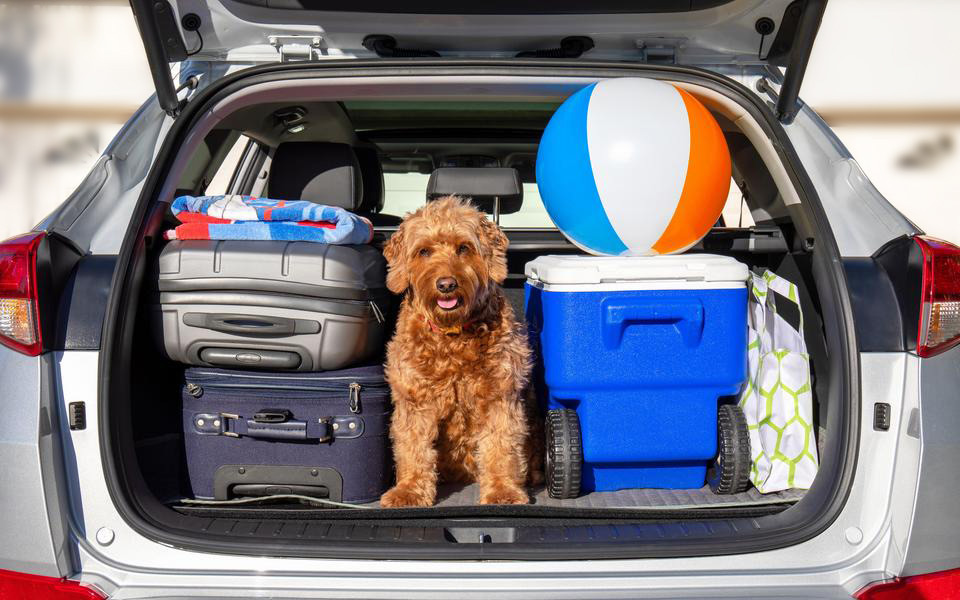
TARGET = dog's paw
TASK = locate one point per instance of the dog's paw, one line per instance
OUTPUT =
(505, 495)
(404, 497)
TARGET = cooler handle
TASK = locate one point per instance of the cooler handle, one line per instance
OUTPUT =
(686, 316)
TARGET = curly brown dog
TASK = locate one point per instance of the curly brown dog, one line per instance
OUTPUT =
(459, 362)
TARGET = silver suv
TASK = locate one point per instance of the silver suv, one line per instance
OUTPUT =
(93, 502)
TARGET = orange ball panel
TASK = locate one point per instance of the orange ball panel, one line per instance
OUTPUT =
(707, 183)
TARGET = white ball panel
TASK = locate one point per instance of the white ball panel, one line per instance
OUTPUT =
(639, 183)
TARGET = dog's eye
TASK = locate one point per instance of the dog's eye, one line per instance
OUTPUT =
(423, 252)
(463, 249)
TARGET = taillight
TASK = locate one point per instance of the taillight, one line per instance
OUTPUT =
(19, 316)
(20, 586)
(939, 327)
(932, 586)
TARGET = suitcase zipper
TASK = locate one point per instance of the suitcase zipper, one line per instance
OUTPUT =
(206, 375)
(353, 390)
(377, 313)
(355, 397)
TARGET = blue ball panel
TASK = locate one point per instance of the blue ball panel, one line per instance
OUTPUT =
(565, 178)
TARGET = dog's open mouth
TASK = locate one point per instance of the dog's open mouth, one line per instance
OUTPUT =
(448, 303)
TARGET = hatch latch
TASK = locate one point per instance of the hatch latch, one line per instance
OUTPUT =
(661, 51)
(294, 48)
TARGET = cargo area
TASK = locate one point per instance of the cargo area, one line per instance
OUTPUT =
(399, 138)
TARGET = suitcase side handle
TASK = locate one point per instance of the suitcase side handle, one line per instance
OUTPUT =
(274, 424)
(251, 325)
(288, 430)
(686, 317)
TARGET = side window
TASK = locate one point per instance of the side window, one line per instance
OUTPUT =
(220, 182)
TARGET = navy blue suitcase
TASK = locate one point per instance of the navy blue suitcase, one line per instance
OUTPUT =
(250, 433)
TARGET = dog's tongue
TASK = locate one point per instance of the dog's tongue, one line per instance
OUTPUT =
(447, 303)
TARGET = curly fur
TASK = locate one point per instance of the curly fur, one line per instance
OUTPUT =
(458, 377)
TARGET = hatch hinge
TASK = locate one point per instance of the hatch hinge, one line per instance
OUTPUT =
(293, 48)
(660, 51)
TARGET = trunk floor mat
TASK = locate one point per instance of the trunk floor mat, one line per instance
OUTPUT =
(466, 495)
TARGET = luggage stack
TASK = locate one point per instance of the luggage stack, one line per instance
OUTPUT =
(284, 391)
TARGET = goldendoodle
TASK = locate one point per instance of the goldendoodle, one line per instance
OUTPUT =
(459, 362)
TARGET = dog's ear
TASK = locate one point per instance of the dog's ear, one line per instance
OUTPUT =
(398, 279)
(496, 254)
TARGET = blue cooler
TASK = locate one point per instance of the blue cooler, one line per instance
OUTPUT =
(641, 348)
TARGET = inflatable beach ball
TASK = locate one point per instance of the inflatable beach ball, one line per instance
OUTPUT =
(633, 167)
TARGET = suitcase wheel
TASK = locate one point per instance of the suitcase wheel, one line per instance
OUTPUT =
(730, 472)
(564, 462)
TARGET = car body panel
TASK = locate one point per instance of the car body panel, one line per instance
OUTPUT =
(935, 531)
(861, 218)
(95, 217)
(33, 524)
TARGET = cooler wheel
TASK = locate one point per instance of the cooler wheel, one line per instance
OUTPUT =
(730, 472)
(564, 453)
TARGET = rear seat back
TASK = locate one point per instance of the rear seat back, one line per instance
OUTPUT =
(372, 173)
(322, 172)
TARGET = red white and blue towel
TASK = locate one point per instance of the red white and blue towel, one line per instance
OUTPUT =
(250, 218)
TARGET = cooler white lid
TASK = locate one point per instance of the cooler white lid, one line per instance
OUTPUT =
(712, 268)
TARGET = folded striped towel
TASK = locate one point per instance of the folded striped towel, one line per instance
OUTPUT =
(250, 218)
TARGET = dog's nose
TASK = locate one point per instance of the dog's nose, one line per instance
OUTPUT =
(446, 284)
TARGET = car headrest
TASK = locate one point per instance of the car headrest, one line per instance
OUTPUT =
(482, 185)
(321, 172)
(372, 173)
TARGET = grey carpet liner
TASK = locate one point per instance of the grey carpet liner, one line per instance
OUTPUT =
(458, 495)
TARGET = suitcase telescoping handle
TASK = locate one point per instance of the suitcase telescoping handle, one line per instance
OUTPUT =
(685, 315)
(251, 325)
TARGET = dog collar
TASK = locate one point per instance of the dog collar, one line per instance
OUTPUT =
(451, 331)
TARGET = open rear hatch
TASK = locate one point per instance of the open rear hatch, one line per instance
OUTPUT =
(747, 34)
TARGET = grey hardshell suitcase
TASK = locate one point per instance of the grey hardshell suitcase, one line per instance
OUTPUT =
(269, 304)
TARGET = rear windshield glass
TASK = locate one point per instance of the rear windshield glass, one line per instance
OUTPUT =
(405, 192)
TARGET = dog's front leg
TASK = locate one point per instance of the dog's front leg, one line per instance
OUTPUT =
(502, 450)
(414, 436)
